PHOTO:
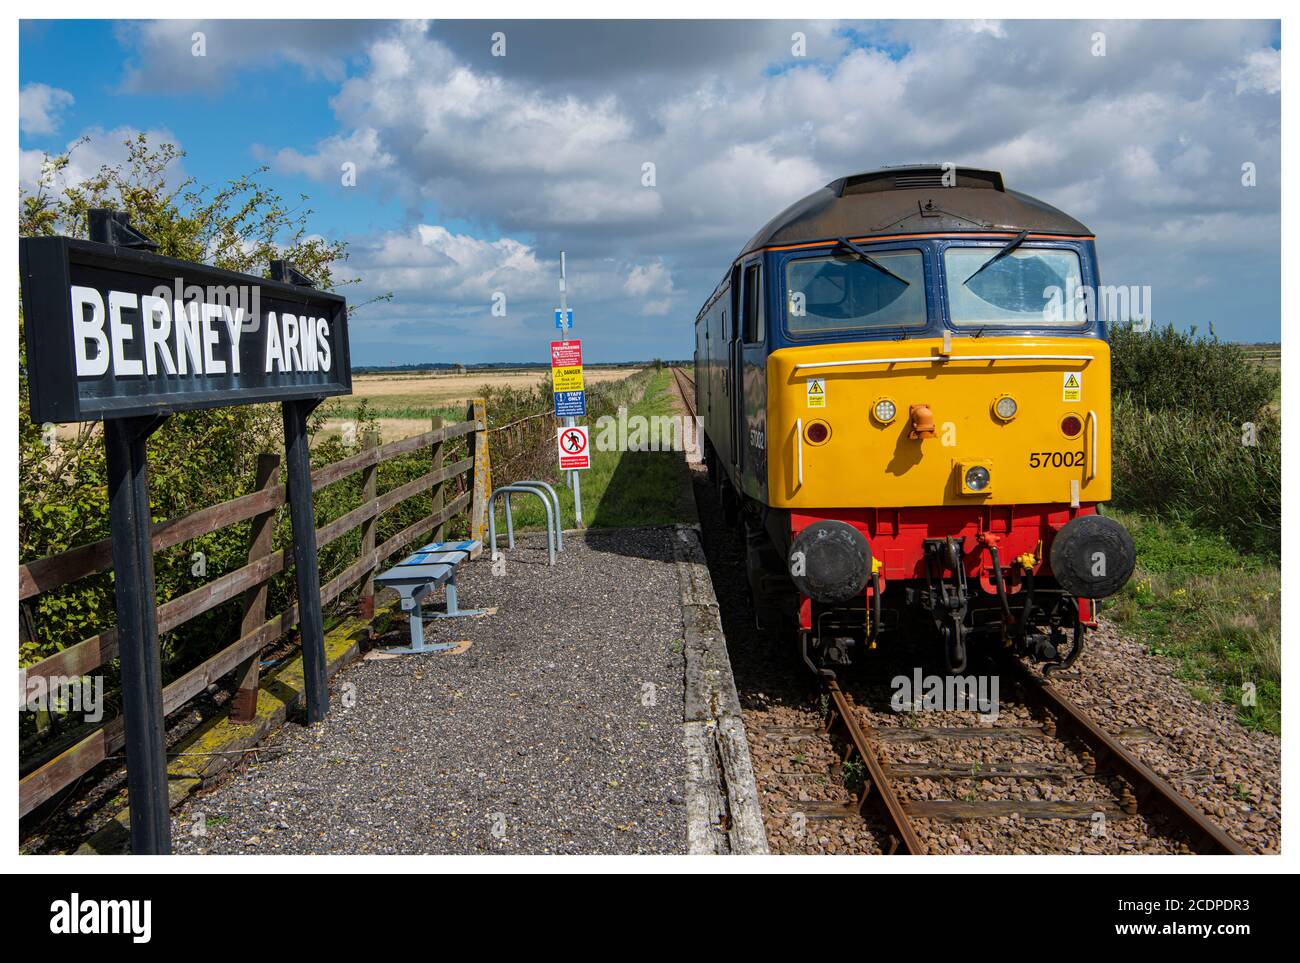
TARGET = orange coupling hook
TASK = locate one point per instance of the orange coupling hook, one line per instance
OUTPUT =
(922, 422)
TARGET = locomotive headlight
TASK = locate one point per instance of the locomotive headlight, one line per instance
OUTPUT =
(977, 478)
(885, 411)
(973, 477)
(1005, 407)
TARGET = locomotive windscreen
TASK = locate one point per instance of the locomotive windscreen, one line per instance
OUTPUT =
(842, 292)
(1032, 287)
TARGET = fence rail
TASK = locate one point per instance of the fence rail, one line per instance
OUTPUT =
(251, 580)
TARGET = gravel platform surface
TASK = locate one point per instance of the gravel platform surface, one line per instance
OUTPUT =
(558, 730)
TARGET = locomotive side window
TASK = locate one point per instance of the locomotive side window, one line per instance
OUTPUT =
(1027, 287)
(753, 328)
(844, 292)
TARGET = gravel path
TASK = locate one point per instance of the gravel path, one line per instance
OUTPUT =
(558, 730)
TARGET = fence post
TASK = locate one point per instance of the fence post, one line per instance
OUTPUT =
(369, 493)
(243, 707)
(478, 446)
(439, 530)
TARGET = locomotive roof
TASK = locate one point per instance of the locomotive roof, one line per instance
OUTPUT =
(912, 200)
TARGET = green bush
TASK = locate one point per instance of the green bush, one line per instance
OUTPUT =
(1168, 370)
(1186, 410)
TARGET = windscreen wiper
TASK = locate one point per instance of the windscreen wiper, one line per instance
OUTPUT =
(845, 242)
(1014, 243)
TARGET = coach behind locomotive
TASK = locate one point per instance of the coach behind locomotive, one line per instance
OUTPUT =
(905, 387)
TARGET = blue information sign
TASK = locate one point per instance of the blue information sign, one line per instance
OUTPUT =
(561, 317)
(570, 404)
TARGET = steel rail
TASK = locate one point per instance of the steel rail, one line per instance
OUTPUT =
(687, 396)
(877, 787)
(1149, 788)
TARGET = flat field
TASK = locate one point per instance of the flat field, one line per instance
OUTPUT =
(405, 401)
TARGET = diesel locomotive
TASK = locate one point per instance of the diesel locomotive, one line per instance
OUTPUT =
(904, 384)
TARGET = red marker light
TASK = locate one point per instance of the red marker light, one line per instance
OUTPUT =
(818, 432)
(1071, 426)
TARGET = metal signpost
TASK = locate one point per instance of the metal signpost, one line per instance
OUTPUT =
(119, 334)
(574, 402)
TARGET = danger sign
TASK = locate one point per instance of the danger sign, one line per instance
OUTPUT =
(1071, 386)
(566, 366)
(574, 447)
(816, 392)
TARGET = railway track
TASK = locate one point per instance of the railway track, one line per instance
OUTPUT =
(1102, 754)
(865, 743)
(686, 386)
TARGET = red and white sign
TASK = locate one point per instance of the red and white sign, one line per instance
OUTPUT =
(566, 354)
(574, 446)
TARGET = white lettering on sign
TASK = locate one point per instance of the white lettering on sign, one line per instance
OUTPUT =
(157, 329)
(121, 332)
(138, 335)
(87, 331)
(187, 337)
(297, 344)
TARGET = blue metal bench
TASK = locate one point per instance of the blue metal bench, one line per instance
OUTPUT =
(417, 575)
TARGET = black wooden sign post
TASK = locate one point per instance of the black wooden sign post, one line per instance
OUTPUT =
(311, 625)
(137, 630)
(119, 334)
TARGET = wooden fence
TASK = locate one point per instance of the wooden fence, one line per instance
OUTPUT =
(251, 581)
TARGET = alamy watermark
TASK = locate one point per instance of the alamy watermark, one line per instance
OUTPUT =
(59, 693)
(626, 432)
(945, 693)
(1118, 303)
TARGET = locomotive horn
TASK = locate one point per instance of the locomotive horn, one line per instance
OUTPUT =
(1093, 556)
(830, 561)
(922, 422)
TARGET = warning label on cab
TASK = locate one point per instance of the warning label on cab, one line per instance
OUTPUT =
(1072, 386)
(816, 392)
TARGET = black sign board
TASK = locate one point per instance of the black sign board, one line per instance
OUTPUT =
(120, 334)
(116, 332)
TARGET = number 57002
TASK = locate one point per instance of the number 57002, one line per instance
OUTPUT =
(1055, 459)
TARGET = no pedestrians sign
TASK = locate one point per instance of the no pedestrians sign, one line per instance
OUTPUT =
(574, 447)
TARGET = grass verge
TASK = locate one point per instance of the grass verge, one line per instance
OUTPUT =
(622, 489)
(1214, 610)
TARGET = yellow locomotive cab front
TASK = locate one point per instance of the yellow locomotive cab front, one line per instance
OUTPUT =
(993, 421)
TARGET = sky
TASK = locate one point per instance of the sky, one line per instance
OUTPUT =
(483, 149)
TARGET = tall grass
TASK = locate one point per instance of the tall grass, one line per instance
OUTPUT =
(1198, 479)
(1195, 436)
(1181, 465)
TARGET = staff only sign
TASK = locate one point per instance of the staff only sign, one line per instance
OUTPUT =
(115, 332)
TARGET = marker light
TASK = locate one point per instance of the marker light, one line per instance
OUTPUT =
(817, 432)
(977, 478)
(1005, 407)
(1071, 426)
(885, 411)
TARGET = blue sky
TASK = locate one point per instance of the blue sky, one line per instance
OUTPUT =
(474, 170)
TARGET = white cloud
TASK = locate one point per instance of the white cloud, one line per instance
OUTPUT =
(174, 56)
(39, 107)
(359, 148)
(432, 261)
(100, 148)
(1261, 72)
(650, 285)
(546, 149)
